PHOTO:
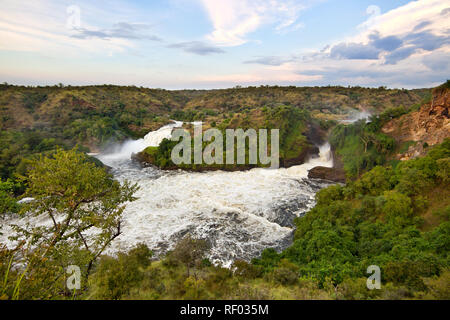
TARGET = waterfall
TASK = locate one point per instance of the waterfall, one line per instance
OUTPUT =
(124, 151)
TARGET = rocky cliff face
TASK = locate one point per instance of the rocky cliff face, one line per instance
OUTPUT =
(428, 126)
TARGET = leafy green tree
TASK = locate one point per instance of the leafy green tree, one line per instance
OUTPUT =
(374, 182)
(397, 207)
(190, 252)
(82, 201)
(7, 201)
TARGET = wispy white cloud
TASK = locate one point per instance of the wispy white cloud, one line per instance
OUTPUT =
(197, 47)
(46, 27)
(121, 30)
(234, 20)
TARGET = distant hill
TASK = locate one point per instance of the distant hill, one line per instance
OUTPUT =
(94, 115)
(37, 119)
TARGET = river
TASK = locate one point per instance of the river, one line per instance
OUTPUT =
(239, 213)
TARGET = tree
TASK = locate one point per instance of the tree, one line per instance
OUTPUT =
(83, 204)
(7, 201)
(190, 252)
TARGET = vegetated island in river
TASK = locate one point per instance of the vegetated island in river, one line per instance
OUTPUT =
(299, 138)
(299, 135)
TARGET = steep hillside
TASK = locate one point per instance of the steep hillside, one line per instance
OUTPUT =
(430, 125)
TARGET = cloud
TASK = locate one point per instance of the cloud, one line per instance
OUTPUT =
(353, 51)
(405, 47)
(389, 43)
(42, 26)
(438, 61)
(413, 43)
(121, 30)
(422, 25)
(445, 11)
(400, 54)
(427, 40)
(408, 75)
(197, 47)
(395, 48)
(350, 51)
(269, 61)
(233, 20)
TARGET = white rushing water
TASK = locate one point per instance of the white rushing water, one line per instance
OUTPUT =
(152, 139)
(239, 213)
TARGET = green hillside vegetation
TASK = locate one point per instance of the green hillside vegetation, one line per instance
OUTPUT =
(95, 115)
(321, 101)
(378, 219)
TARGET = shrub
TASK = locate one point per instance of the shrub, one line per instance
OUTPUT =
(114, 277)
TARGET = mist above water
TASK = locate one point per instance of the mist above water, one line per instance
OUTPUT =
(357, 115)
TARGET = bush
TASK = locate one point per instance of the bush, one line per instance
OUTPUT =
(114, 277)
(246, 270)
(190, 252)
(286, 273)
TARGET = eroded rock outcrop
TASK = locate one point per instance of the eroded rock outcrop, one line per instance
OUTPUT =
(428, 126)
(335, 174)
(325, 173)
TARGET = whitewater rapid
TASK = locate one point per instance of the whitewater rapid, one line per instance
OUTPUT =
(122, 152)
(239, 213)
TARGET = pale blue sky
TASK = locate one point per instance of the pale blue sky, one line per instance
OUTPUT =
(178, 44)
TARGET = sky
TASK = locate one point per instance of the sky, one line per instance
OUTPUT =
(205, 44)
